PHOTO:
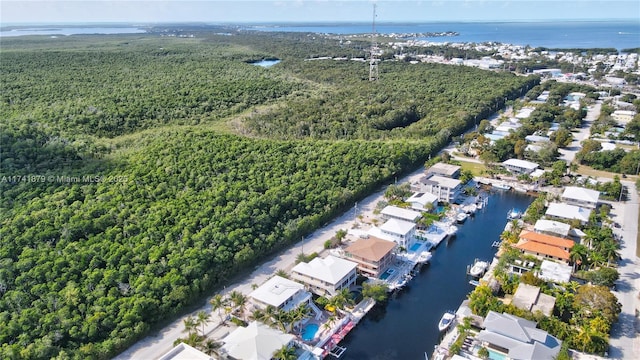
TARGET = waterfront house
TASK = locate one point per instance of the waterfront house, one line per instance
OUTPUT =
(419, 201)
(280, 293)
(255, 342)
(399, 231)
(394, 212)
(446, 189)
(326, 277)
(579, 196)
(555, 272)
(373, 255)
(563, 211)
(443, 169)
(544, 246)
(554, 228)
(530, 298)
(517, 338)
(183, 351)
(517, 166)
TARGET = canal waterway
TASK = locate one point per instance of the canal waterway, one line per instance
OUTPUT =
(407, 326)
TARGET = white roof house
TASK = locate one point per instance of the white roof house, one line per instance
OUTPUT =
(255, 342)
(579, 196)
(281, 293)
(524, 113)
(183, 351)
(446, 189)
(326, 276)
(402, 232)
(518, 337)
(556, 272)
(566, 211)
(518, 166)
(551, 227)
(394, 212)
(623, 117)
(420, 200)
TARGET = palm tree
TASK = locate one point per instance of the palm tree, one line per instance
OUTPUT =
(609, 249)
(202, 318)
(285, 353)
(282, 273)
(190, 324)
(578, 255)
(218, 302)
(596, 258)
(210, 347)
(258, 315)
(239, 300)
(330, 321)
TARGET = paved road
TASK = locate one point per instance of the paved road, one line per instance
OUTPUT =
(569, 153)
(625, 338)
(156, 345)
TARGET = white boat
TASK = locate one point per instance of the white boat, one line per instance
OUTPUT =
(424, 257)
(446, 320)
(461, 217)
(478, 268)
(452, 230)
(514, 214)
(501, 186)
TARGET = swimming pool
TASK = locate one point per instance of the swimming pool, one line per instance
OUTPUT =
(387, 273)
(309, 332)
(415, 247)
(496, 355)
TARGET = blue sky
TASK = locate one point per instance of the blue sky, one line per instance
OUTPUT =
(229, 11)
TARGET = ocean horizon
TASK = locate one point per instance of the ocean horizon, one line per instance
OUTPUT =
(584, 34)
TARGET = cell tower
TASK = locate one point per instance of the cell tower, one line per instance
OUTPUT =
(373, 60)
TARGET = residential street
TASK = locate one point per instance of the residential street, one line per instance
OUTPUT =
(582, 134)
(625, 341)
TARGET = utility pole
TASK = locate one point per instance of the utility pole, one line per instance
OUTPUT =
(373, 60)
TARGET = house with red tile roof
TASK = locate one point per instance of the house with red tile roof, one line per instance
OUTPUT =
(545, 246)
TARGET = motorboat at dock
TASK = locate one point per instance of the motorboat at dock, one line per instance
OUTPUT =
(446, 320)
(478, 268)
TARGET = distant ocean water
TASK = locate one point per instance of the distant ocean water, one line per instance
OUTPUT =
(567, 34)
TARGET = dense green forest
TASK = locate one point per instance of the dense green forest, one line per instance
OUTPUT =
(130, 189)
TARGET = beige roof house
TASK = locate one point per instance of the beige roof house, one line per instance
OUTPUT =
(530, 298)
(373, 255)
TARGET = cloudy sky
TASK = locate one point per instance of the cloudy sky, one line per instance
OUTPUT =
(229, 11)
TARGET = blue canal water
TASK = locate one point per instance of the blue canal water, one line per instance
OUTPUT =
(408, 325)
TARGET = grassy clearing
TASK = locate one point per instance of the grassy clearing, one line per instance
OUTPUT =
(476, 169)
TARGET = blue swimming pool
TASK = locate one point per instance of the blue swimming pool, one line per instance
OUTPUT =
(386, 274)
(415, 247)
(496, 355)
(309, 332)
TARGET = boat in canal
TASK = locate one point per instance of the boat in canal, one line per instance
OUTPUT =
(514, 214)
(501, 186)
(446, 320)
(478, 268)
(461, 217)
